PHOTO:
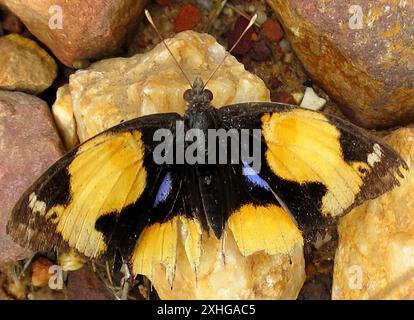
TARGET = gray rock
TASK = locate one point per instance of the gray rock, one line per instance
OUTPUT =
(29, 144)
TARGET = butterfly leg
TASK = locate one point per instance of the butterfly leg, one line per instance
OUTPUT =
(125, 283)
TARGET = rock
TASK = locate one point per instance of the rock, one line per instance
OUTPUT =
(272, 30)
(40, 272)
(84, 284)
(119, 89)
(282, 97)
(257, 276)
(260, 51)
(246, 42)
(368, 70)
(29, 144)
(188, 17)
(24, 65)
(79, 30)
(311, 100)
(64, 118)
(375, 256)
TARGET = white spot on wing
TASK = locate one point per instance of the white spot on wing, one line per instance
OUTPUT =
(35, 205)
(375, 156)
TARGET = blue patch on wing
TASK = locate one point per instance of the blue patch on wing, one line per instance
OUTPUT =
(253, 178)
(164, 190)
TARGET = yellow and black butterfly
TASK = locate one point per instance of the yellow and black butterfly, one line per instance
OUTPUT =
(110, 195)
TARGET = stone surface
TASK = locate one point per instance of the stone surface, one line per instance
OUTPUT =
(257, 276)
(375, 256)
(29, 144)
(40, 272)
(119, 89)
(84, 284)
(24, 65)
(368, 71)
(88, 29)
(64, 117)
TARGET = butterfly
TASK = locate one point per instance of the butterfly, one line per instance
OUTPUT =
(142, 187)
(110, 195)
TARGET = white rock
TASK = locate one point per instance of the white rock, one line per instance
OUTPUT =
(119, 89)
(311, 100)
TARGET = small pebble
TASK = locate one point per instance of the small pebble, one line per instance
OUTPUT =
(188, 17)
(246, 42)
(282, 97)
(40, 272)
(285, 45)
(261, 17)
(260, 51)
(287, 58)
(298, 96)
(274, 83)
(272, 30)
(251, 8)
(228, 11)
(143, 42)
(205, 4)
(311, 100)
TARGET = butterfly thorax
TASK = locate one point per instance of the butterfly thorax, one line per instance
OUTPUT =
(199, 113)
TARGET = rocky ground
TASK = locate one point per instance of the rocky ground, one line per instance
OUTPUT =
(57, 89)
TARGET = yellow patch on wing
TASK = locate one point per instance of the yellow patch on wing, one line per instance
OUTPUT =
(264, 228)
(156, 245)
(303, 147)
(106, 175)
(191, 234)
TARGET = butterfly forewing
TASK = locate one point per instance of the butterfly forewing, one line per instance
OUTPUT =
(79, 202)
(319, 165)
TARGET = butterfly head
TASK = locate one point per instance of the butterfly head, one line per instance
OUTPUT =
(198, 96)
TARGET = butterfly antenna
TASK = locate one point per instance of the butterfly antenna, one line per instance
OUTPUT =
(148, 15)
(251, 23)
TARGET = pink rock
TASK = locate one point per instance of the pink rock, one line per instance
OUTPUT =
(77, 30)
(360, 52)
(29, 144)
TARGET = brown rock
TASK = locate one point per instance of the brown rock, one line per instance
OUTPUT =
(89, 29)
(24, 65)
(188, 17)
(272, 30)
(84, 284)
(375, 255)
(368, 71)
(246, 42)
(29, 144)
(40, 272)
